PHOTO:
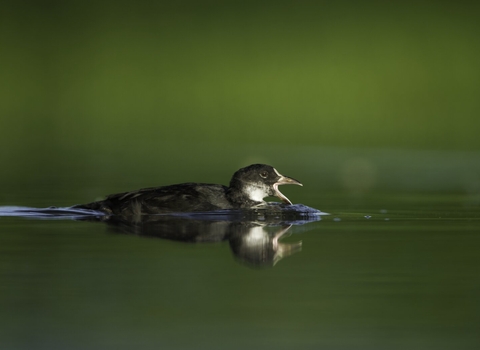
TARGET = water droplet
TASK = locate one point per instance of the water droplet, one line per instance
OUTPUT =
(367, 216)
(337, 219)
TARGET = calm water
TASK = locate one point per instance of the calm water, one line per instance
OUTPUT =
(383, 271)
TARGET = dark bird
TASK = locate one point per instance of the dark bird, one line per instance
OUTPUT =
(248, 187)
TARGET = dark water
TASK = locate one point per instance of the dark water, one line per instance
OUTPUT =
(383, 271)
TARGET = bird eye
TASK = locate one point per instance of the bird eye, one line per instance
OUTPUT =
(264, 174)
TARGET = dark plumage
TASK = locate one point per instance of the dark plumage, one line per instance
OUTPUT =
(247, 189)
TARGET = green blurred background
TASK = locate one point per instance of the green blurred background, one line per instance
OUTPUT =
(158, 88)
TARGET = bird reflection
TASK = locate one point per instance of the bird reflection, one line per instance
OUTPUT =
(255, 243)
(257, 247)
(254, 235)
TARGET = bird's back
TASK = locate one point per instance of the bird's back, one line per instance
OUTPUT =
(186, 197)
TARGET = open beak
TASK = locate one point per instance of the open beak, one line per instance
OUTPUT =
(284, 180)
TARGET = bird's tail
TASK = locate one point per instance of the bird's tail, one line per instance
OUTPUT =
(98, 206)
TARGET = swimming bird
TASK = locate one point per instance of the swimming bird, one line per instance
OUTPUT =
(248, 188)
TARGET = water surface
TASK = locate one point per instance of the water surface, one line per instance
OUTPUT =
(383, 271)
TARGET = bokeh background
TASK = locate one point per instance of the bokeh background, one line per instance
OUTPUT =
(101, 96)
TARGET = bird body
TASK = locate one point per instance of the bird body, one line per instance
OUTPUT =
(248, 187)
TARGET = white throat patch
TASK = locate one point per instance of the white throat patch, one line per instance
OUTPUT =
(256, 193)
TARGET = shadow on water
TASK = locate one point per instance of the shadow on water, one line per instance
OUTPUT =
(254, 235)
